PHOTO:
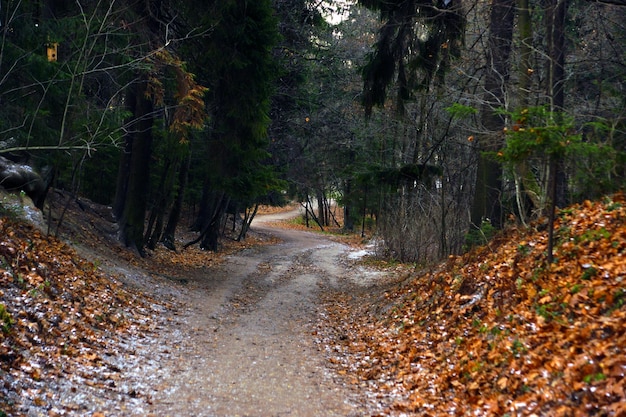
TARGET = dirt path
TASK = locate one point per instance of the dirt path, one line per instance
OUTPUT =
(245, 343)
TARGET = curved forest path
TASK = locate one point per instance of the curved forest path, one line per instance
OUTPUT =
(246, 342)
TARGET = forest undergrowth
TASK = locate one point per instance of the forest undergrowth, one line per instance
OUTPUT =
(498, 331)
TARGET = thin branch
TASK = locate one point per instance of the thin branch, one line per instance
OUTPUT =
(47, 148)
(612, 2)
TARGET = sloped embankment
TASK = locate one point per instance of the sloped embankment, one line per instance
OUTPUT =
(498, 331)
(61, 324)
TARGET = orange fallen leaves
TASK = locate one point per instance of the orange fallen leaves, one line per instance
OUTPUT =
(61, 312)
(499, 331)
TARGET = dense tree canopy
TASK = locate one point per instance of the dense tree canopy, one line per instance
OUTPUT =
(407, 113)
(511, 60)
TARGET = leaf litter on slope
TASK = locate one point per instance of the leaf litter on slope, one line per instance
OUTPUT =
(69, 328)
(498, 331)
(64, 322)
(493, 332)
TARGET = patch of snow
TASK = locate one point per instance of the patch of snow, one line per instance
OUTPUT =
(360, 254)
(370, 249)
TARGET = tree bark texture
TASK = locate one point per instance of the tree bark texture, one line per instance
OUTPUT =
(123, 173)
(487, 200)
(212, 210)
(132, 222)
(169, 238)
(555, 29)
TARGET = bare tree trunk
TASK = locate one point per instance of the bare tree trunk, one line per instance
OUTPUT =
(204, 207)
(555, 30)
(322, 217)
(72, 194)
(211, 233)
(157, 211)
(525, 182)
(169, 240)
(487, 201)
(308, 207)
(123, 173)
(135, 201)
(247, 221)
(348, 221)
(209, 220)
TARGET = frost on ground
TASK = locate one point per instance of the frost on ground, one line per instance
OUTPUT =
(242, 336)
(250, 348)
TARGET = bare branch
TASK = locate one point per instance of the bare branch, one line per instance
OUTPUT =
(48, 148)
(613, 2)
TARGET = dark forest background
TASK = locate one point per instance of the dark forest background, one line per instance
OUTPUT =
(431, 123)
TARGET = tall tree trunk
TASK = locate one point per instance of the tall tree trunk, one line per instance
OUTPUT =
(363, 213)
(135, 201)
(203, 207)
(211, 232)
(526, 39)
(487, 200)
(209, 220)
(123, 173)
(555, 19)
(310, 212)
(348, 221)
(321, 208)
(249, 215)
(163, 201)
(526, 185)
(555, 30)
(169, 240)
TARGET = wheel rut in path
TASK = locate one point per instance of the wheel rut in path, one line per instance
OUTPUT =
(244, 344)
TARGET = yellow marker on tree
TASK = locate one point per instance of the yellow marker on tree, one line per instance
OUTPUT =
(51, 49)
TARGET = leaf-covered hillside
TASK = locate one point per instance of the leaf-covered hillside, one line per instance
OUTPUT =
(500, 332)
(61, 319)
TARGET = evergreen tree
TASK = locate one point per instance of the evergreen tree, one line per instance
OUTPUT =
(238, 67)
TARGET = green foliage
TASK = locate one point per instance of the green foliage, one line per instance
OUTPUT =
(480, 236)
(98, 176)
(460, 111)
(517, 348)
(6, 320)
(402, 56)
(298, 220)
(31, 100)
(596, 161)
(538, 134)
(619, 299)
(589, 273)
(240, 73)
(523, 249)
(593, 235)
(74, 104)
(576, 288)
(538, 131)
(392, 176)
(591, 378)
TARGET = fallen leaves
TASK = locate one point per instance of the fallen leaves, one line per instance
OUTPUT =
(59, 315)
(66, 324)
(499, 331)
(496, 331)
